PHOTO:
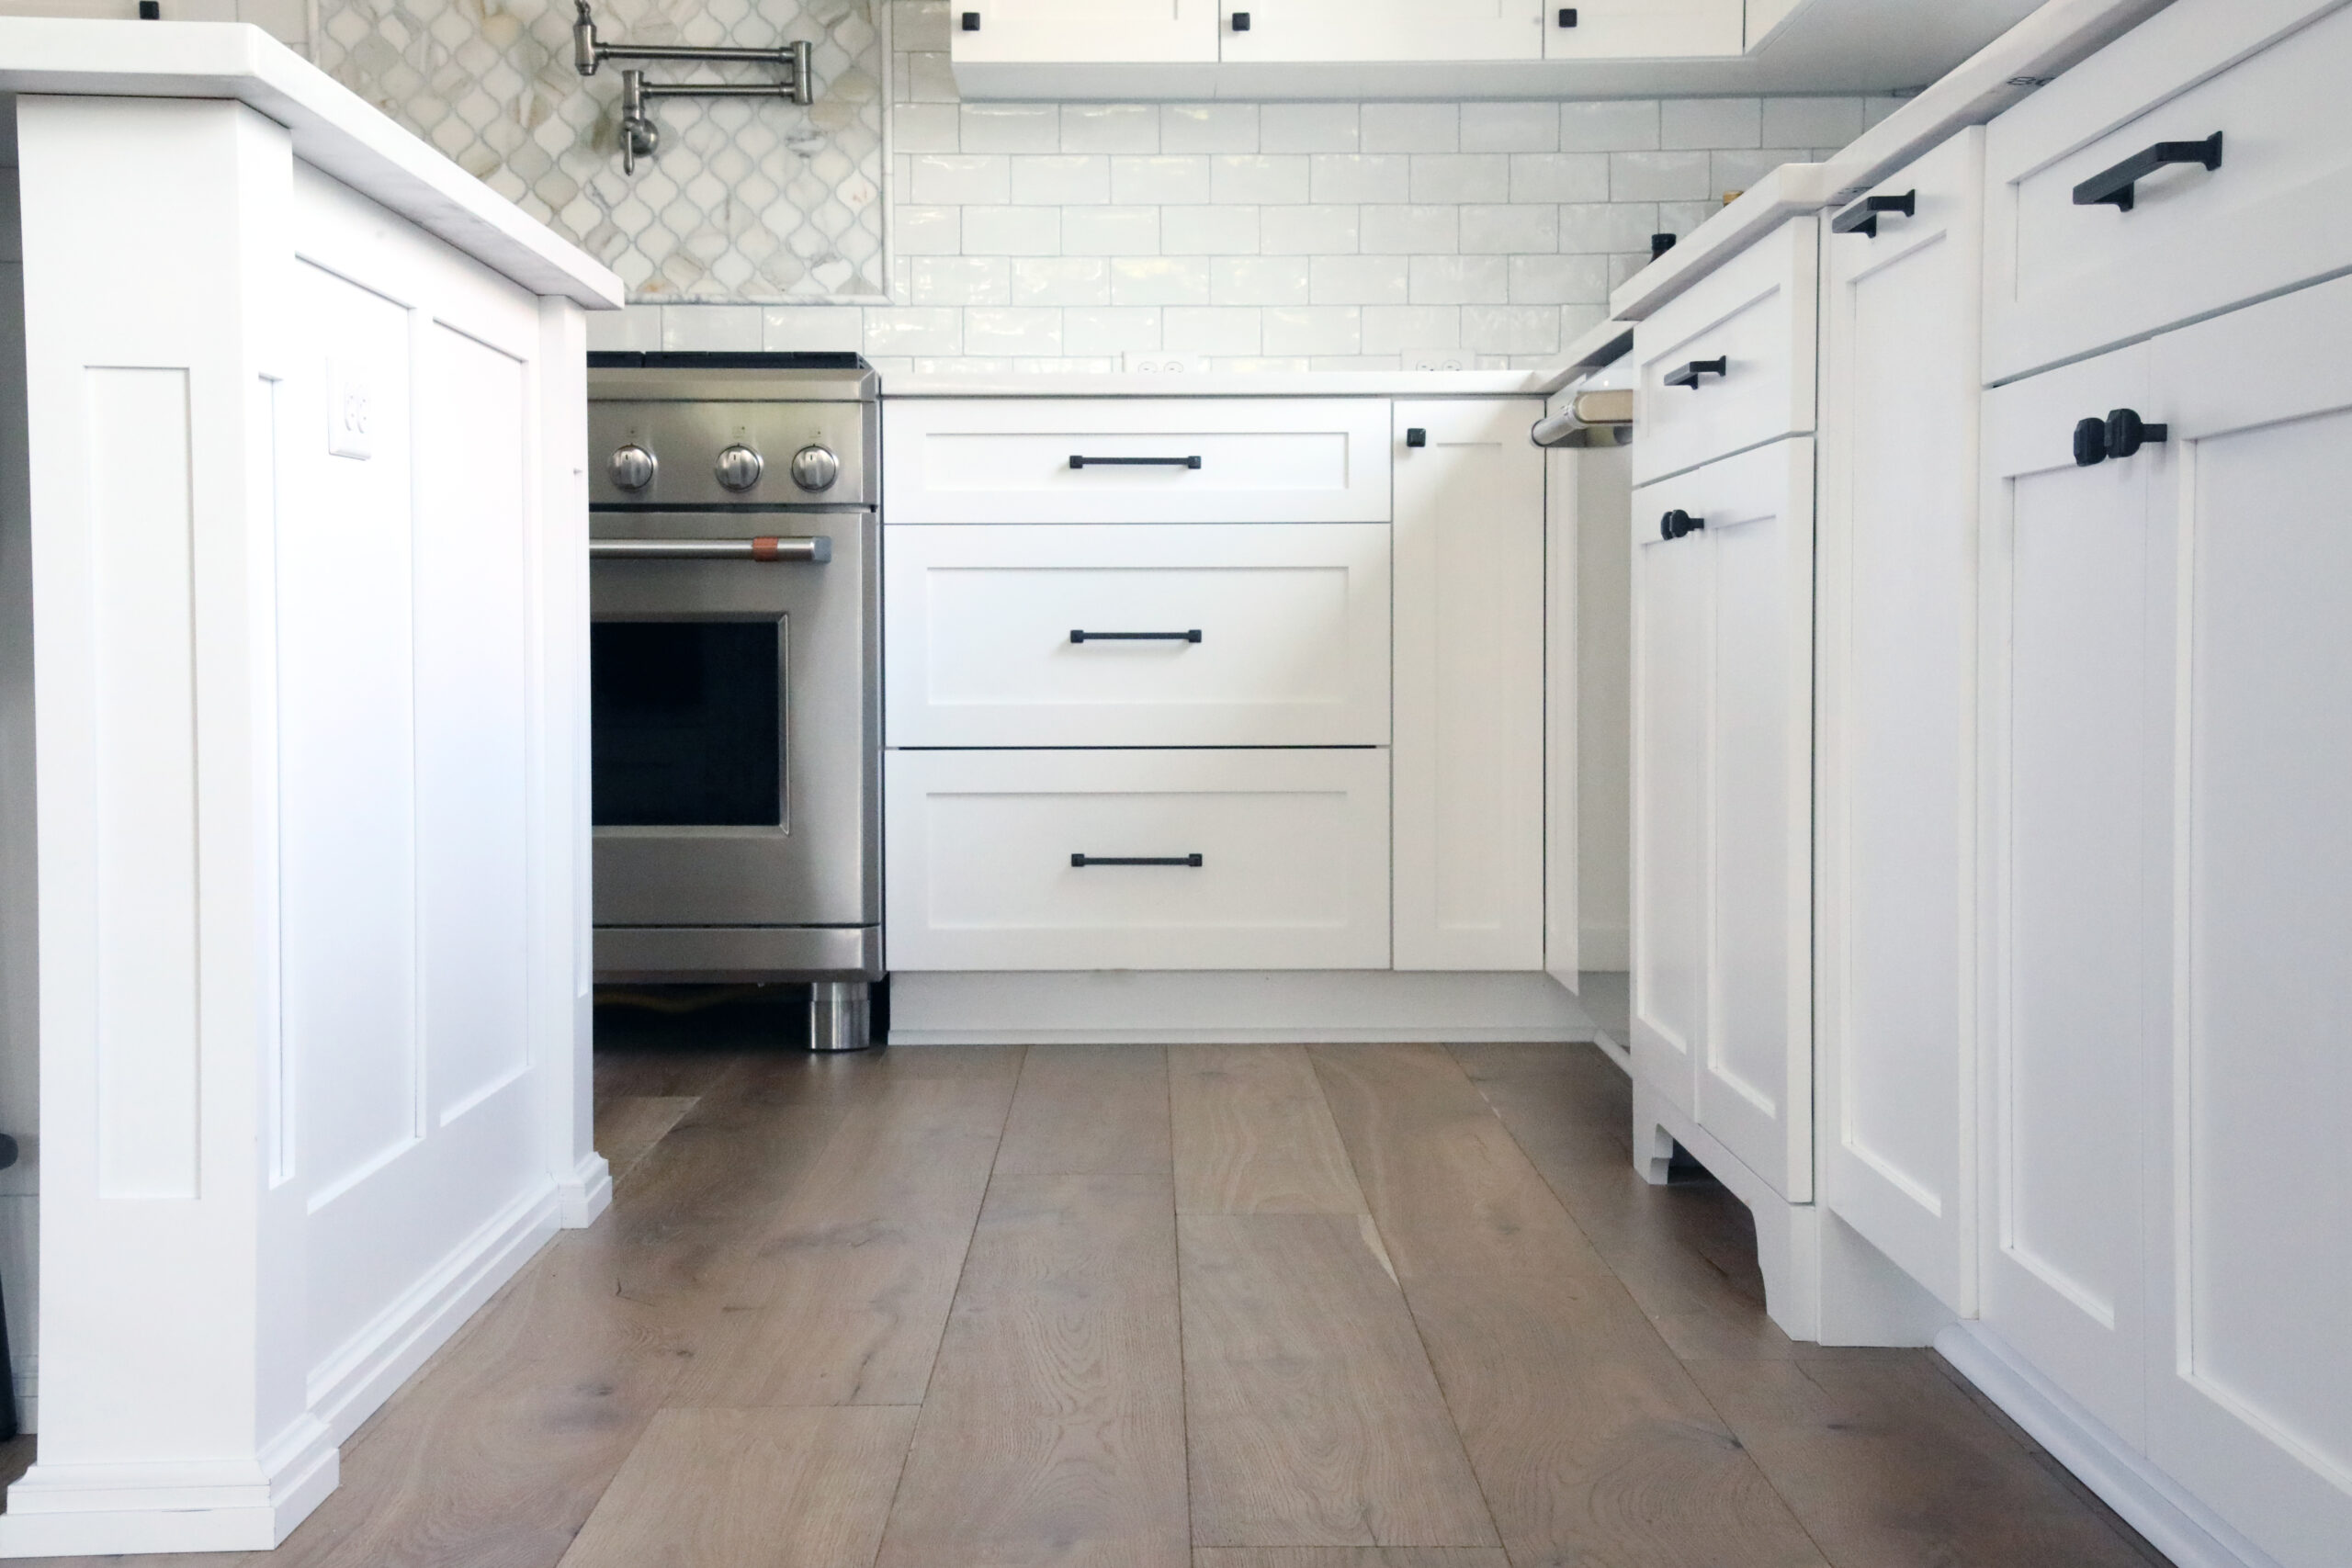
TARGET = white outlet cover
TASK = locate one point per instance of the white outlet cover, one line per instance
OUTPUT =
(1167, 364)
(351, 411)
(1437, 359)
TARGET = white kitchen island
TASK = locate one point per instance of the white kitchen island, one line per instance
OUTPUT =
(292, 729)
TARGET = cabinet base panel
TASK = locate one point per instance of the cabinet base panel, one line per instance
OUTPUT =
(2148, 1500)
(1822, 1281)
(1230, 1008)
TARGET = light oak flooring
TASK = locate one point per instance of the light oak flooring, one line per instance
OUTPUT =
(1207, 1307)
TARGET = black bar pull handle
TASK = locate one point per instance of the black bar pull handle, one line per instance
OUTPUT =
(1863, 217)
(2113, 187)
(1193, 636)
(1688, 375)
(1081, 862)
(1078, 462)
(1678, 522)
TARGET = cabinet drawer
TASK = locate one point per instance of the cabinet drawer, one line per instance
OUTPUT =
(1137, 460)
(1730, 365)
(1194, 635)
(2064, 280)
(1292, 870)
(1298, 31)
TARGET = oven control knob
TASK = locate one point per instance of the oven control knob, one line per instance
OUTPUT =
(814, 468)
(739, 467)
(630, 467)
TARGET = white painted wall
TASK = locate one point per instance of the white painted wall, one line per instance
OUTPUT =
(19, 952)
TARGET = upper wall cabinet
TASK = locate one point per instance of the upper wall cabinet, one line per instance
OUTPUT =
(1457, 48)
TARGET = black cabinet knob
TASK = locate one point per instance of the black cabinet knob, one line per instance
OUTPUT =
(2090, 443)
(1240, 21)
(2127, 433)
(971, 21)
(1417, 437)
(1568, 15)
(1678, 522)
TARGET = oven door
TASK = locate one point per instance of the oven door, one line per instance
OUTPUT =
(734, 759)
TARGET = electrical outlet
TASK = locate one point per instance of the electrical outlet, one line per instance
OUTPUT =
(1167, 364)
(351, 411)
(1436, 359)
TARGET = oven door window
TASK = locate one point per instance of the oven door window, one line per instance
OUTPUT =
(689, 723)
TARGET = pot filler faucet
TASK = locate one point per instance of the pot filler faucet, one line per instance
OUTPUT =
(640, 136)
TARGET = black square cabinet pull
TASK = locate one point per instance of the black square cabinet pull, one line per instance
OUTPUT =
(1568, 15)
(1240, 21)
(971, 21)
(1417, 437)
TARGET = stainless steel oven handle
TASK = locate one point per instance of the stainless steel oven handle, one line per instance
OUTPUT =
(814, 548)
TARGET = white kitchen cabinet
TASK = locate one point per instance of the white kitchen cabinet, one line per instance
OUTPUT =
(1469, 685)
(1894, 774)
(1137, 635)
(1307, 31)
(1273, 858)
(1135, 459)
(1722, 755)
(2066, 279)
(1144, 32)
(1731, 363)
(2168, 682)
(1644, 29)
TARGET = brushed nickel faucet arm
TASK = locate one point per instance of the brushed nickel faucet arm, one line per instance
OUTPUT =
(640, 136)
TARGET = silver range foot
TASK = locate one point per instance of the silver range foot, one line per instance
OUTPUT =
(841, 1016)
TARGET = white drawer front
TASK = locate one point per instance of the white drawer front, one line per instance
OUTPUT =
(1293, 847)
(1251, 634)
(1169, 460)
(1742, 344)
(2063, 280)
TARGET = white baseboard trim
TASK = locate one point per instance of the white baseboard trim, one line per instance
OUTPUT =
(587, 1195)
(196, 1506)
(1234, 1007)
(347, 1388)
(2151, 1502)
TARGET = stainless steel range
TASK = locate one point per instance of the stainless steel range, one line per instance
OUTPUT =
(736, 594)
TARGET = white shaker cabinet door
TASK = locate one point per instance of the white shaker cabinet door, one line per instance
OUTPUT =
(1469, 685)
(2076, 678)
(1896, 650)
(1317, 30)
(1722, 727)
(1082, 31)
(2250, 1359)
(1642, 29)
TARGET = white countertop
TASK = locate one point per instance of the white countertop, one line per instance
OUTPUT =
(1294, 384)
(2061, 33)
(333, 130)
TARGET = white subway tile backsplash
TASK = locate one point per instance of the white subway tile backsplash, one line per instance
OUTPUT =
(1012, 128)
(1159, 280)
(633, 329)
(1687, 124)
(1559, 280)
(1558, 176)
(1510, 230)
(1313, 329)
(1258, 280)
(1013, 231)
(926, 128)
(1412, 127)
(1110, 127)
(1061, 280)
(1160, 181)
(1429, 229)
(1361, 177)
(1737, 170)
(1062, 179)
(1012, 330)
(962, 280)
(1187, 329)
(1258, 178)
(1678, 218)
(1510, 329)
(1461, 176)
(1397, 328)
(1309, 127)
(1309, 231)
(1208, 127)
(911, 329)
(1110, 230)
(927, 78)
(709, 329)
(1621, 125)
(1110, 331)
(1359, 280)
(929, 232)
(1810, 122)
(1217, 231)
(1462, 280)
(1511, 128)
(1659, 176)
(950, 180)
(1610, 225)
(919, 24)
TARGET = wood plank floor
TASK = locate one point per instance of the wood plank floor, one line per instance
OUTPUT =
(1126, 1307)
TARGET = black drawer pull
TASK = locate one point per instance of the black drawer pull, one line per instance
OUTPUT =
(1078, 462)
(1688, 376)
(1678, 522)
(1863, 217)
(2121, 435)
(1193, 636)
(2113, 187)
(1081, 862)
